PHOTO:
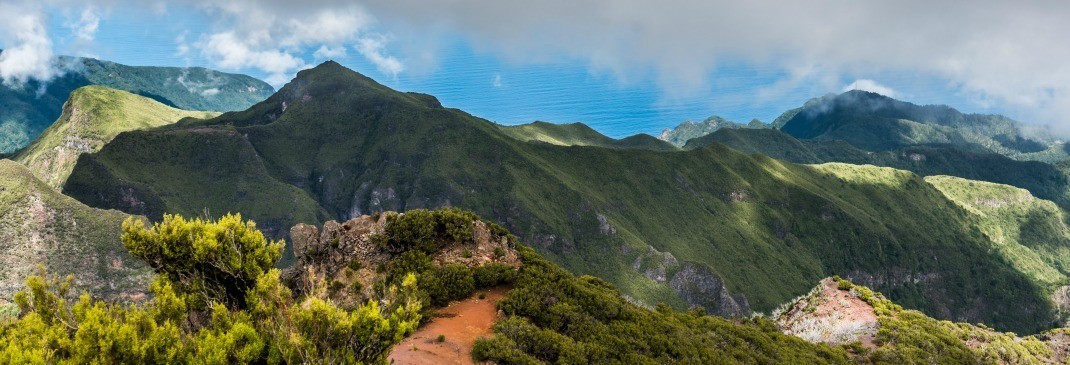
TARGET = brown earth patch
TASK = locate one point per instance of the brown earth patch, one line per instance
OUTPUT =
(460, 324)
(832, 316)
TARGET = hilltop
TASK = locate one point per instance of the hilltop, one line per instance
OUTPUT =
(688, 130)
(26, 110)
(579, 134)
(39, 226)
(711, 227)
(91, 117)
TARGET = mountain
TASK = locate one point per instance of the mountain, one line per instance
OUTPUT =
(1044, 180)
(27, 109)
(687, 130)
(875, 122)
(713, 227)
(579, 134)
(39, 226)
(91, 117)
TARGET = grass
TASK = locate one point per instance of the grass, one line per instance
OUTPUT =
(93, 116)
(1028, 232)
(345, 145)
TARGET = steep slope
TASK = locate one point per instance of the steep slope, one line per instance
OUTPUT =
(1030, 233)
(1042, 179)
(38, 226)
(712, 227)
(27, 109)
(687, 130)
(92, 117)
(579, 134)
(877, 123)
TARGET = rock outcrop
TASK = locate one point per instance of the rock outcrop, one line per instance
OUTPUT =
(352, 252)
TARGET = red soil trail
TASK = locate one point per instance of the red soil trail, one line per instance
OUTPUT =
(461, 323)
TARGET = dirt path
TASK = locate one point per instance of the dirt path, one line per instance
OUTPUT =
(461, 323)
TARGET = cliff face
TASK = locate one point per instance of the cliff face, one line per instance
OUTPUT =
(354, 251)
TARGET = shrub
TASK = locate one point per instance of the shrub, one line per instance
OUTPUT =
(448, 283)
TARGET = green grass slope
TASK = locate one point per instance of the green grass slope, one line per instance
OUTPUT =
(1042, 179)
(579, 134)
(39, 226)
(734, 233)
(1028, 232)
(92, 117)
(27, 109)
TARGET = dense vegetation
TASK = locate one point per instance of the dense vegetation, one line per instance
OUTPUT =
(1044, 180)
(217, 300)
(91, 117)
(27, 109)
(705, 224)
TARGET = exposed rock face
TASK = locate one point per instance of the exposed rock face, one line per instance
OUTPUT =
(699, 285)
(348, 252)
(830, 315)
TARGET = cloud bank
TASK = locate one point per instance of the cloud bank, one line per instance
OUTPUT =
(1012, 53)
(871, 86)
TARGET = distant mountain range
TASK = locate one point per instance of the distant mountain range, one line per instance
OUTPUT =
(26, 110)
(705, 226)
(873, 122)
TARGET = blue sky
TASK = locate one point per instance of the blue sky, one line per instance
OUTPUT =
(499, 63)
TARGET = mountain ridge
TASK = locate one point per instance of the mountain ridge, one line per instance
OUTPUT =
(342, 145)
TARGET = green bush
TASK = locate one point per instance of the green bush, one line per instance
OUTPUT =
(198, 317)
(448, 283)
(493, 274)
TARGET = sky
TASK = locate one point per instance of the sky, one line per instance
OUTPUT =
(621, 66)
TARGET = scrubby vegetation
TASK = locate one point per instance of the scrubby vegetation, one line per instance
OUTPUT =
(911, 337)
(554, 317)
(217, 300)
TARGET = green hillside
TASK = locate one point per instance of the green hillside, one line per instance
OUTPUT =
(579, 134)
(734, 233)
(39, 226)
(27, 109)
(1042, 179)
(1030, 233)
(92, 117)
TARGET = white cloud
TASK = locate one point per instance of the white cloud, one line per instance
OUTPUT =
(372, 49)
(229, 51)
(325, 52)
(276, 37)
(85, 28)
(27, 47)
(1011, 52)
(497, 80)
(871, 86)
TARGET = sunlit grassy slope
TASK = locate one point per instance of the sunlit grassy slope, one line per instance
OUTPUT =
(579, 134)
(92, 117)
(660, 225)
